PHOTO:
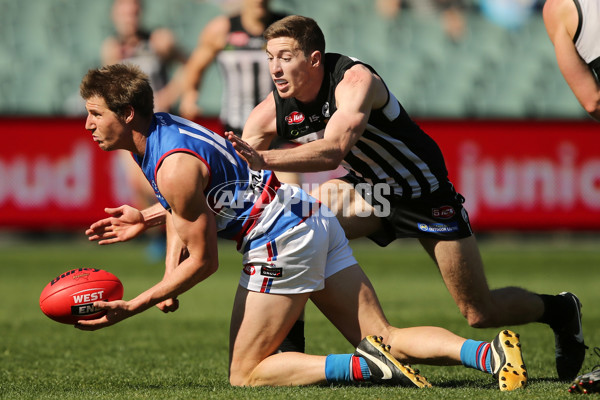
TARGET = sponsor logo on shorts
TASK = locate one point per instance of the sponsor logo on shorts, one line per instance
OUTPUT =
(272, 272)
(249, 269)
(438, 228)
(444, 212)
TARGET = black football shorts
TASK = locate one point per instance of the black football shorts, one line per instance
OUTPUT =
(440, 215)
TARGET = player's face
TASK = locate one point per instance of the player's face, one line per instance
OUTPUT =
(290, 68)
(106, 127)
(126, 16)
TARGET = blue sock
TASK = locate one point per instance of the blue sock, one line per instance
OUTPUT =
(477, 355)
(346, 368)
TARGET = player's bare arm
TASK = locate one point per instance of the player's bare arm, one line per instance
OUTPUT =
(261, 126)
(561, 20)
(191, 220)
(128, 222)
(177, 252)
(125, 223)
(260, 129)
(211, 41)
(195, 226)
(356, 95)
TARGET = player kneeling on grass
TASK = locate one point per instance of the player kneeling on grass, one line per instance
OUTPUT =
(293, 250)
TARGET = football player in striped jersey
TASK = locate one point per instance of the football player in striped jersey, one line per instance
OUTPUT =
(341, 112)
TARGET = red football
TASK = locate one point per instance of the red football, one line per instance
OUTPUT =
(69, 297)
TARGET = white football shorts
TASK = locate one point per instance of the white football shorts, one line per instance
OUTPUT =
(299, 260)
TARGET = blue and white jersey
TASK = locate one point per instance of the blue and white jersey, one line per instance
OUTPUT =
(251, 207)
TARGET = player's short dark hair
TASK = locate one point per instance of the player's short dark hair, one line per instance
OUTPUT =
(303, 29)
(120, 85)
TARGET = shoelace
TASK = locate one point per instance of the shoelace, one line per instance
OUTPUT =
(597, 352)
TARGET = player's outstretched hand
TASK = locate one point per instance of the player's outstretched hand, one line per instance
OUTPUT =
(124, 224)
(247, 152)
(116, 311)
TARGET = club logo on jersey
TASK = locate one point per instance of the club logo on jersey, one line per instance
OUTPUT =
(325, 110)
(249, 269)
(465, 215)
(444, 212)
(272, 271)
(294, 118)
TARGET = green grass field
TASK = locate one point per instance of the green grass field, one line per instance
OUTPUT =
(184, 355)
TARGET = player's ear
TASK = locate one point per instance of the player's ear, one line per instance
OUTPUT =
(129, 114)
(315, 58)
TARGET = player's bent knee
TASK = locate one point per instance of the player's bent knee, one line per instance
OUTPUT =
(238, 380)
(245, 378)
(480, 320)
(237, 376)
(478, 315)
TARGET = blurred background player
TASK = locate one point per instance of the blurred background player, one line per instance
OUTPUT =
(236, 43)
(157, 53)
(451, 11)
(574, 29)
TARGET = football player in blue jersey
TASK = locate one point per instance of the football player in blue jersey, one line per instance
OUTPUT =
(293, 250)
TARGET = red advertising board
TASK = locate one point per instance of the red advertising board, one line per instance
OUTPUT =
(514, 174)
(54, 176)
(524, 175)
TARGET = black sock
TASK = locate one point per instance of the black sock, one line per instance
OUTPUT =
(294, 341)
(557, 310)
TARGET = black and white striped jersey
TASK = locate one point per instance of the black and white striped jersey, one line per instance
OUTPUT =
(393, 149)
(588, 31)
(245, 70)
